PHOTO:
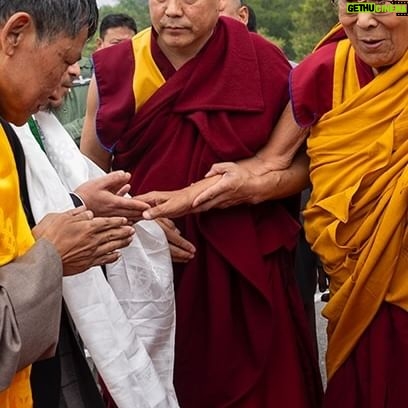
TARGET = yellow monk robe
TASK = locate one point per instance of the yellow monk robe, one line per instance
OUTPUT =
(356, 217)
(15, 240)
(147, 78)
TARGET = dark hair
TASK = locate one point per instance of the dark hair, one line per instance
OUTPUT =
(251, 18)
(116, 20)
(53, 17)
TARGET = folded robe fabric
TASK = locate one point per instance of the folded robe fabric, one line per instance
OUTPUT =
(238, 291)
(356, 217)
(127, 325)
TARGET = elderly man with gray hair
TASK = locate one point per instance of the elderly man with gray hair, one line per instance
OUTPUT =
(38, 41)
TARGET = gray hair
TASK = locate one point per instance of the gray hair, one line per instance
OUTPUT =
(53, 17)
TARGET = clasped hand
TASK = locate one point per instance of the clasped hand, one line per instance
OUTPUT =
(107, 196)
(83, 240)
(225, 185)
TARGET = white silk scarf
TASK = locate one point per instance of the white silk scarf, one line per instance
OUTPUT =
(127, 324)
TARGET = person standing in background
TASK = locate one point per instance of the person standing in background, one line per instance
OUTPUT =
(72, 111)
(240, 11)
(114, 28)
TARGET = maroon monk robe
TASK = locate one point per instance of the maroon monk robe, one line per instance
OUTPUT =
(373, 376)
(311, 82)
(241, 334)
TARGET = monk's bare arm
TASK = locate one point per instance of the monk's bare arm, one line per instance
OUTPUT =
(284, 142)
(275, 173)
(239, 184)
(235, 184)
(90, 145)
(272, 173)
(177, 202)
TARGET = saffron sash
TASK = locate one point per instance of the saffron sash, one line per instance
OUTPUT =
(15, 240)
(356, 217)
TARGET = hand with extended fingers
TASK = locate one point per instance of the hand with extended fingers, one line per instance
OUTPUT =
(83, 240)
(107, 196)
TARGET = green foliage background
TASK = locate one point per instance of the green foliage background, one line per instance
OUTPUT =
(296, 25)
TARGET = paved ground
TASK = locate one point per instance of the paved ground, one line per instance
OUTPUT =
(321, 335)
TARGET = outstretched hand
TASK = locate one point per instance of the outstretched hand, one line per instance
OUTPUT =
(252, 181)
(83, 240)
(225, 185)
(238, 184)
(105, 196)
(181, 250)
(173, 204)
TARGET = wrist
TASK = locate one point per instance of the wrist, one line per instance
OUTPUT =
(273, 163)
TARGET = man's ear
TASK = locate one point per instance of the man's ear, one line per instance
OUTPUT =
(99, 43)
(243, 13)
(16, 28)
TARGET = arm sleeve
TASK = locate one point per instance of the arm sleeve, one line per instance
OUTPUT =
(30, 309)
(74, 128)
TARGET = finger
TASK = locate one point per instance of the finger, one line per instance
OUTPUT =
(209, 194)
(174, 238)
(114, 234)
(167, 225)
(167, 222)
(127, 207)
(219, 168)
(106, 258)
(114, 180)
(100, 224)
(112, 243)
(182, 243)
(123, 190)
(158, 211)
(81, 213)
(217, 202)
(139, 204)
(180, 255)
(152, 198)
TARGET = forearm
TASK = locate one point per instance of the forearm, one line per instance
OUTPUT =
(274, 185)
(90, 148)
(89, 144)
(282, 146)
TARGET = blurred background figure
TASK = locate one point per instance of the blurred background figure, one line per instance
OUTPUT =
(71, 109)
(240, 11)
(251, 23)
(114, 28)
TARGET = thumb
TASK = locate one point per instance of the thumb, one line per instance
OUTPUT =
(218, 168)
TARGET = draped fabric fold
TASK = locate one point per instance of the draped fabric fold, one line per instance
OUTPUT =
(127, 327)
(237, 296)
(356, 217)
(15, 240)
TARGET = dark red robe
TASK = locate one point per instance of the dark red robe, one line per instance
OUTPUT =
(241, 335)
(376, 373)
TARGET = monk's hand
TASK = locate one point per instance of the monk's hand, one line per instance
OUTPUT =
(181, 250)
(83, 240)
(106, 197)
(236, 184)
(171, 204)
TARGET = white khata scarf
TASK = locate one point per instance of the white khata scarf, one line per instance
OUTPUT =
(127, 324)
